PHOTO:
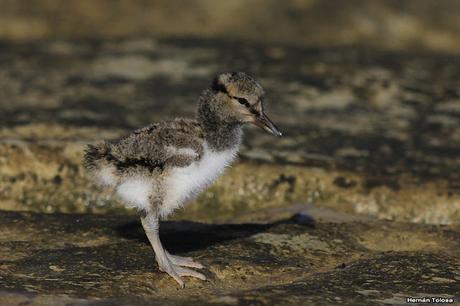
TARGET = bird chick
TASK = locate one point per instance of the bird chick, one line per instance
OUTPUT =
(161, 167)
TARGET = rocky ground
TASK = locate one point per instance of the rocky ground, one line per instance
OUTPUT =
(358, 203)
(100, 260)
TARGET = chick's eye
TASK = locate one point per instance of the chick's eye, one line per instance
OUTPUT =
(243, 101)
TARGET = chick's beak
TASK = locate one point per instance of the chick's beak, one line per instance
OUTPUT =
(265, 123)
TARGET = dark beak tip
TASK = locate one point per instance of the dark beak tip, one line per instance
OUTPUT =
(273, 131)
(265, 123)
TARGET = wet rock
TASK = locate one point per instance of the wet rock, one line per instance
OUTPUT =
(106, 260)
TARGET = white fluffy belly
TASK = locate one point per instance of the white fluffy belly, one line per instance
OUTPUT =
(136, 192)
(184, 184)
(181, 185)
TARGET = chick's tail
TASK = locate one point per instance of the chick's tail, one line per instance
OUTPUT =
(96, 155)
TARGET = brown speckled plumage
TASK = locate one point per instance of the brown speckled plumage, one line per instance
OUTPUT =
(148, 148)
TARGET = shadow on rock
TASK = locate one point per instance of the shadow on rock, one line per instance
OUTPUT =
(186, 236)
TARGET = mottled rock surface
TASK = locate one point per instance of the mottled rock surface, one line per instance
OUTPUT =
(106, 260)
(367, 132)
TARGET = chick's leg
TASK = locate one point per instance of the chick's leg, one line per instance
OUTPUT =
(150, 224)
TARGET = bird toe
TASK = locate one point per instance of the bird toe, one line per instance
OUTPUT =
(189, 272)
(184, 261)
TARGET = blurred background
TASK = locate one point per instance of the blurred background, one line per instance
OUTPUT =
(389, 24)
(366, 92)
